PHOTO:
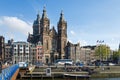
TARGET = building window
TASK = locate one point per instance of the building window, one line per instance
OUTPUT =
(15, 50)
(20, 45)
(37, 48)
(26, 53)
(38, 57)
(20, 53)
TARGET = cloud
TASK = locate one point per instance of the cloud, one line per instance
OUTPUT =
(11, 35)
(15, 24)
(70, 40)
(83, 42)
(72, 32)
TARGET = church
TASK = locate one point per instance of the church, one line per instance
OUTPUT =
(53, 41)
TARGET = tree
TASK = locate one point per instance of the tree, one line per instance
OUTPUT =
(116, 56)
(102, 52)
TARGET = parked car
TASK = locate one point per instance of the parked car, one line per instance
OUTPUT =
(81, 64)
(112, 64)
(63, 62)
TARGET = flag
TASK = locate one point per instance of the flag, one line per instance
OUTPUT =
(100, 41)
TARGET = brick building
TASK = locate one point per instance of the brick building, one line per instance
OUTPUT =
(9, 50)
(72, 51)
(2, 48)
(39, 53)
(87, 54)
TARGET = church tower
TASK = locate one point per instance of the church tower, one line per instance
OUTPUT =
(36, 25)
(45, 38)
(54, 42)
(62, 36)
(45, 23)
(35, 37)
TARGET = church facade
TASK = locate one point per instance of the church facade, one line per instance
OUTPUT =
(53, 41)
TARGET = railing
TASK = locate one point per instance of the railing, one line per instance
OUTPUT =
(8, 72)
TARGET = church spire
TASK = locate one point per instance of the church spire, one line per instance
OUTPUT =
(44, 15)
(38, 16)
(37, 21)
(62, 16)
(45, 22)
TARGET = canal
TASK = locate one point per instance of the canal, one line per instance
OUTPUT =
(105, 79)
(57, 74)
(77, 79)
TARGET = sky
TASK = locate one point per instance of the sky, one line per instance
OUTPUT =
(87, 20)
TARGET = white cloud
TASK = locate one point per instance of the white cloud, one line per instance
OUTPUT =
(72, 32)
(11, 35)
(16, 24)
(70, 41)
(83, 42)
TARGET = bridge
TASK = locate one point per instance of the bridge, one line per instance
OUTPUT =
(10, 73)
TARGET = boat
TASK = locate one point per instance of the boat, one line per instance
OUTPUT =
(76, 76)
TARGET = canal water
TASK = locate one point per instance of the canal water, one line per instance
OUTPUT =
(77, 79)
(105, 79)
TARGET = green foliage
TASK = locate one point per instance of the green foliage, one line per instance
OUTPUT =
(116, 55)
(102, 52)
